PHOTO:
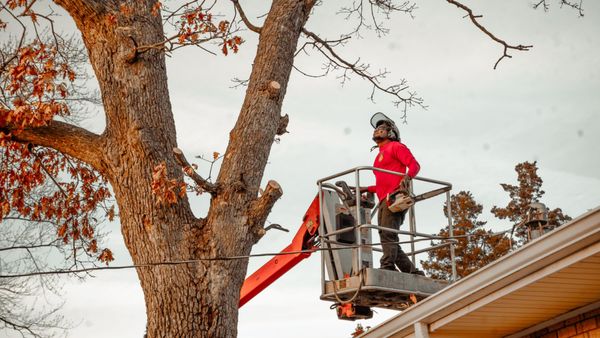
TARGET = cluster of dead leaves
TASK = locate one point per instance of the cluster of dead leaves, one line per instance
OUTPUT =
(196, 24)
(42, 184)
(36, 84)
(166, 190)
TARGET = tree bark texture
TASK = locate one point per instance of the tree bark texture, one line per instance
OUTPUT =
(193, 300)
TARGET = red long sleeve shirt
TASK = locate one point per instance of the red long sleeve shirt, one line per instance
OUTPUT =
(393, 156)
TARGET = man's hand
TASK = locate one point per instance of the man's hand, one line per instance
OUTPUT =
(405, 183)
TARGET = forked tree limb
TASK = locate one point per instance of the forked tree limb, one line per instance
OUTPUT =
(362, 70)
(474, 18)
(189, 171)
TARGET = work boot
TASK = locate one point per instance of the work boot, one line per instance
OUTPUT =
(418, 272)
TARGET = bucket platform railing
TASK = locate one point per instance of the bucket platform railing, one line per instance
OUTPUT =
(352, 277)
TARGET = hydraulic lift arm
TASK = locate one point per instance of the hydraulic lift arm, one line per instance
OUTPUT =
(288, 258)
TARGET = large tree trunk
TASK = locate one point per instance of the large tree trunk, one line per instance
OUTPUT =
(193, 300)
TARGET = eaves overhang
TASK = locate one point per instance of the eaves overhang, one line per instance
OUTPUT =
(550, 276)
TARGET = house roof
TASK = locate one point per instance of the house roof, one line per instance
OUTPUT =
(552, 275)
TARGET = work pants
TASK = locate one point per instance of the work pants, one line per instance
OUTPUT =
(392, 252)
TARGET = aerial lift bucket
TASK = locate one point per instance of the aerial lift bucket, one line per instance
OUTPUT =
(340, 225)
(349, 278)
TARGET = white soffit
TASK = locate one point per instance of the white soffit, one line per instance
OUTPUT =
(548, 257)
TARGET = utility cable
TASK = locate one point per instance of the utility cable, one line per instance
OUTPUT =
(216, 259)
(178, 262)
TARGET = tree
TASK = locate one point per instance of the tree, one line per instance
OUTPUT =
(26, 304)
(45, 219)
(475, 246)
(30, 303)
(521, 196)
(126, 42)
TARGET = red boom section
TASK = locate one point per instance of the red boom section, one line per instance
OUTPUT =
(287, 259)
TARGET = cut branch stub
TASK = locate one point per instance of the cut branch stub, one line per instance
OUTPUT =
(209, 187)
(273, 89)
(261, 207)
(133, 56)
(283, 123)
(272, 191)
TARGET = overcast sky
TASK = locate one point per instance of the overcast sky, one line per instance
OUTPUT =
(540, 105)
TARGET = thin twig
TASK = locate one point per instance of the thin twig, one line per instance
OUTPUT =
(362, 70)
(21, 40)
(49, 175)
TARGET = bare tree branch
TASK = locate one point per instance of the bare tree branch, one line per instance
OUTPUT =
(205, 185)
(7, 60)
(474, 18)
(542, 3)
(362, 70)
(239, 83)
(25, 247)
(370, 21)
(574, 5)
(247, 22)
(18, 327)
(28, 247)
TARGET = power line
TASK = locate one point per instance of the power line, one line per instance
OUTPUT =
(228, 258)
(179, 262)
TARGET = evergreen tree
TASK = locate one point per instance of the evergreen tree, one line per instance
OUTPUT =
(529, 190)
(475, 247)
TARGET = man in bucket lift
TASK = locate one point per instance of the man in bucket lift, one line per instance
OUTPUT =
(393, 156)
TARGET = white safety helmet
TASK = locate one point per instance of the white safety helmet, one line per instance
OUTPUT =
(402, 201)
(379, 118)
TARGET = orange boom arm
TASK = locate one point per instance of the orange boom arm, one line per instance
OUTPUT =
(287, 259)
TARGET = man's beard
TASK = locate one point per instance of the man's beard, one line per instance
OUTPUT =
(378, 139)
